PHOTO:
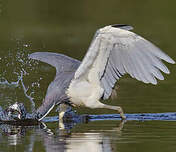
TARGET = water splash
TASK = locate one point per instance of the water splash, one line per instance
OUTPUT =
(6, 84)
(15, 69)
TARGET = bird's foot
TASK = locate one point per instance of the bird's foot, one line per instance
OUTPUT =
(123, 116)
(120, 110)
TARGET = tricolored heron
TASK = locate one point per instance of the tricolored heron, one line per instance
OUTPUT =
(113, 52)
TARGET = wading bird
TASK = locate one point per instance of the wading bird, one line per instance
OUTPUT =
(113, 52)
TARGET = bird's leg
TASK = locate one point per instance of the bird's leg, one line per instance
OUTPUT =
(64, 110)
(117, 108)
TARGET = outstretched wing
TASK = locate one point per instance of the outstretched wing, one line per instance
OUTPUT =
(114, 52)
(61, 62)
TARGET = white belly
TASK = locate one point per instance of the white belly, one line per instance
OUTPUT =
(84, 93)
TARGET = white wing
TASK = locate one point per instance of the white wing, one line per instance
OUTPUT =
(114, 52)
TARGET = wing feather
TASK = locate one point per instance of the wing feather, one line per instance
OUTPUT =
(89, 58)
(59, 61)
(115, 52)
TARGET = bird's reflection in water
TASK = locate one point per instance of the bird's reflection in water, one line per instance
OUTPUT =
(58, 139)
